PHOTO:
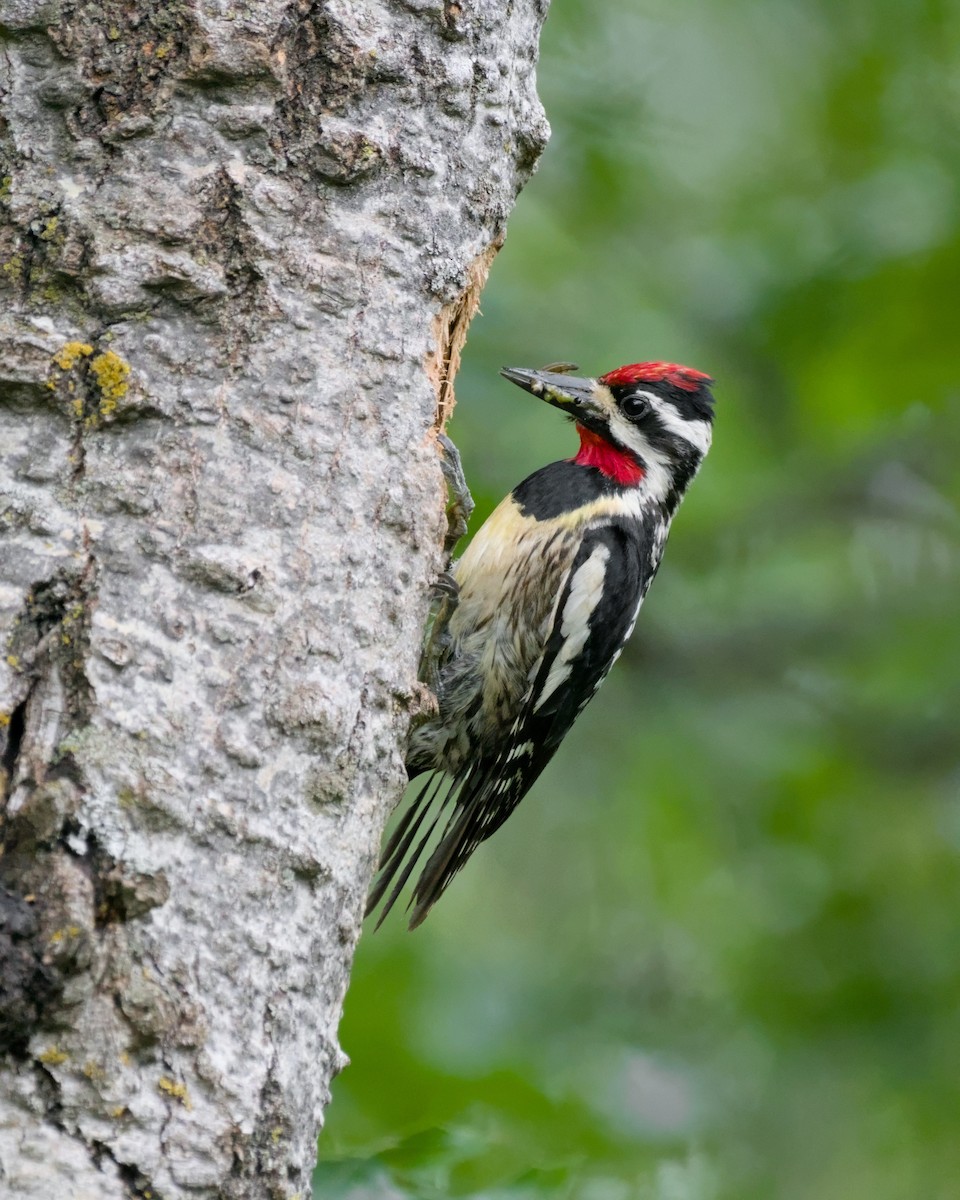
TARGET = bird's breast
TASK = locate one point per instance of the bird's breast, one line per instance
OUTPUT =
(510, 578)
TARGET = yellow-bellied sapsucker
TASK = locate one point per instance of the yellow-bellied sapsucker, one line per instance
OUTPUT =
(547, 594)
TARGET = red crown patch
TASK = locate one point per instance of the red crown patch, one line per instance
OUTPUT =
(657, 372)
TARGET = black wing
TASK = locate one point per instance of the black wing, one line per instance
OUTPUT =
(488, 789)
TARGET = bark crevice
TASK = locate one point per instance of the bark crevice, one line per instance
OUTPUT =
(16, 728)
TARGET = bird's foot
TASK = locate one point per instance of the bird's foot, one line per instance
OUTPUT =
(445, 587)
(446, 596)
(461, 502)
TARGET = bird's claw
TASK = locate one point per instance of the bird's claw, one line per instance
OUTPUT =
(461, 502)
(445, 587)
(446, 596)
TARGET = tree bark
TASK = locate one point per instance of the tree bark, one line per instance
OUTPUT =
(240, 246)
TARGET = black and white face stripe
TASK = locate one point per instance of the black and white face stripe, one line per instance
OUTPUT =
(670, 444)
(697, 431)
(656, 424)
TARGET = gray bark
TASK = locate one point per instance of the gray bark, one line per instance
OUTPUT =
(240, 246)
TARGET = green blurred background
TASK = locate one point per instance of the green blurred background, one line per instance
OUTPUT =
(716, 952)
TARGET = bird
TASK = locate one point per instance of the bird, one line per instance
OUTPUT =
(539, 607)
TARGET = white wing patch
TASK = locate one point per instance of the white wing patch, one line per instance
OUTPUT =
(630, 629)
(586, 589)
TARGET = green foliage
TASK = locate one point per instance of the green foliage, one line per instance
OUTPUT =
(715, 953)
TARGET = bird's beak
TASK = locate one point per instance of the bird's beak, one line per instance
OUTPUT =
(574, 396)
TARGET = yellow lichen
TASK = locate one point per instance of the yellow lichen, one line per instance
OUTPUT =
(53, 1056)
(14, 266)
(4, 719)
(177, 1090)
(118, 1112)
(70, 931)
(13, 661)
(93, 1071)
(70, 354)
(111, 374)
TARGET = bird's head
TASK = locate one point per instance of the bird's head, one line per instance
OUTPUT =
(648, 423)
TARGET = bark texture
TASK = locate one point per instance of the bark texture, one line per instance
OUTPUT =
(240, 243)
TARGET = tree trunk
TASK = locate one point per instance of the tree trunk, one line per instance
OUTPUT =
(240, 246)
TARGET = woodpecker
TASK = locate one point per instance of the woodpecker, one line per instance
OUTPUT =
(542, 603)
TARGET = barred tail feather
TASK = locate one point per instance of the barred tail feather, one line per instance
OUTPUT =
(405, 873)
(446, 860)
(399, 844)
(486, 795)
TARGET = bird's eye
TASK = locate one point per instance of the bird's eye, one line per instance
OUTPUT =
(634, 407)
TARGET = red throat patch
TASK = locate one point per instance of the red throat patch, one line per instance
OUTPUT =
(596, 451)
